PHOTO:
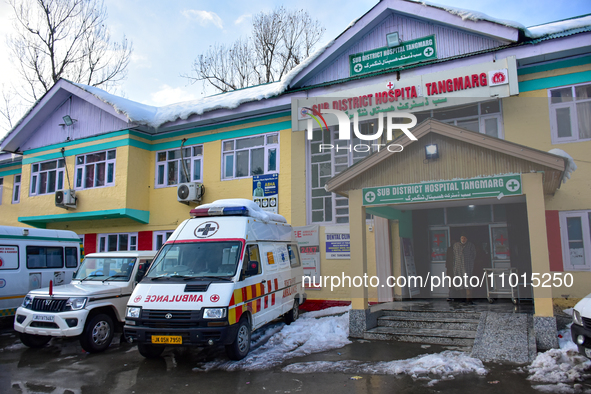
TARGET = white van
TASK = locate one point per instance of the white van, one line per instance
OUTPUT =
(91, 307)
(30, 258)
(221, 275)
(581, 328)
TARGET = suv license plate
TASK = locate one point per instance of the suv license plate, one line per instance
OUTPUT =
(43, 318)
(167, 339)
(588, 352)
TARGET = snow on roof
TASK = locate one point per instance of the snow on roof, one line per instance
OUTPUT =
(253, 209)
(558, 27)
(570, 166)
(156, 116)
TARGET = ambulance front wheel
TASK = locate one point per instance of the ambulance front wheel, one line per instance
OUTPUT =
(293, 314)
(238, 349)
(150, 351)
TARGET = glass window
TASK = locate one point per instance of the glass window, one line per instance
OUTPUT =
(294, 255)
(250, 156)
(117, 242)
(45, 257)
(95, 169)
(71, 257)
(16, 190)
(160, 238)
(171, 171)
(570, 113)
(47, 177)
(576, 240)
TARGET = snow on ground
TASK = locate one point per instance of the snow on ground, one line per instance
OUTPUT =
(559, 366)
(444, 365)
(281, 342)
(335, 310)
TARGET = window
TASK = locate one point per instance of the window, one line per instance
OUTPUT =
(45, 257)
(328, 207)
(47, 177)
(71, 257)
(484, 118)
(250, 156)
(570, 113)
(160, 237)
(16, 192)
(294, 256)
(251, 255)
(170, 171)
(576, 240)
(117, 242)
(95, 169)
(1, 189)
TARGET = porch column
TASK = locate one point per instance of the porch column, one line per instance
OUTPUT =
(360, 312)
(544, 320)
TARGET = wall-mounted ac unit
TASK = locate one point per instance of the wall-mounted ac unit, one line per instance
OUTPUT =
(190, 192)
(66, 199)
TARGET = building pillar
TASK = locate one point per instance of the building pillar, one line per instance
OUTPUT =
(544, 320)
(359, 295)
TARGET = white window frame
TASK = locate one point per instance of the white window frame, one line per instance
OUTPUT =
(164, 234)
(16, 189)
(130, 245)
(36, 177)
(232, 152)
(574, 119)
(81, 168)
(584, 215)
(195, 156)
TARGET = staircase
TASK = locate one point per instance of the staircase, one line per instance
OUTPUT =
(432, 327)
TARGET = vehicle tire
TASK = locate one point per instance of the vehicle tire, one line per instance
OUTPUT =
(241, 345)
(98, 334)
(293, 314)
(34, 340)
(150, 351)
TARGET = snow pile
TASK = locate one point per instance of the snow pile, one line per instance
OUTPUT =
(558, 27)
(157, 116)
(335, 310)
(564, 365)
(444, 364)
(570, 166)
(303, 337)
(253, 209)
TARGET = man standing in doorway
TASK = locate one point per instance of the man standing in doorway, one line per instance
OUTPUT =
(464, 256)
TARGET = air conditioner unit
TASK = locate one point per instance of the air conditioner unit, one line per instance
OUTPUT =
(65, 199)
(190, 192)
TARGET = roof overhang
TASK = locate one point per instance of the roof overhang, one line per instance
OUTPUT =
(137, 215)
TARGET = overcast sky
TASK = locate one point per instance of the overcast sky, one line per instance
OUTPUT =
(168, 35)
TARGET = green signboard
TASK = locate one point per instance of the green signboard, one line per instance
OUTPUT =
(413, 51)
(457, 189)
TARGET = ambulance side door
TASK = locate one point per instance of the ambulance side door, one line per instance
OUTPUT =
(253, 285)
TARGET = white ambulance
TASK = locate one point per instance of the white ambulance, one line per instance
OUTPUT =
(91, 307)
(222, 274)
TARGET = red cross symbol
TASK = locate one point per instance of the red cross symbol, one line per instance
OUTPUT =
(390, 85)
(438, 238)
(502, 239)
(214, 298)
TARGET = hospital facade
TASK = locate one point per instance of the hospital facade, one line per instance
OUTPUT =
(497, 107)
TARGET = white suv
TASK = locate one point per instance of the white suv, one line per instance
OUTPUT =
(92, 306)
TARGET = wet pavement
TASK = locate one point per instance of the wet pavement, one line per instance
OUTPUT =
(63, 367)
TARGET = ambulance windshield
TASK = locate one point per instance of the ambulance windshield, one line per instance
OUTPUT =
(197, 259)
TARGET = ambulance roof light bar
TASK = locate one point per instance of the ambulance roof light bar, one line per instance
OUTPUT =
(219, 211)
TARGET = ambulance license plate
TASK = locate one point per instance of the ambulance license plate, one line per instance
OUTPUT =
(588, 352)
(43, 318)
(167, 339)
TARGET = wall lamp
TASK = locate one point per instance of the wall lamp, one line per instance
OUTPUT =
(68, 121)
(393, 39)
(431, 151)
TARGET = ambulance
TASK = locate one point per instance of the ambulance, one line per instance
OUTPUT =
(222, 274)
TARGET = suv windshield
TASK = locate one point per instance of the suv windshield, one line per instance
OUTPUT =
(105, 268)
(197, 259)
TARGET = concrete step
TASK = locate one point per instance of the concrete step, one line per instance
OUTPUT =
(418, 315)
(423, 335)
(439, 323)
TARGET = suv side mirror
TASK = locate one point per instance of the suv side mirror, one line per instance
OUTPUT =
(252, 269)
(141, 270)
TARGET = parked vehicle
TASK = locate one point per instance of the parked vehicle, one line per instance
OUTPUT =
(581, 328)
(30, 258)
(92, 307)
(222, 274)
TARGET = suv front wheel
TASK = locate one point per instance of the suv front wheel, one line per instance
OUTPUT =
(98, 334)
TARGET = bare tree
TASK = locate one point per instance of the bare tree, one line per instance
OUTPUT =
(10, 108)
(279, 41)
(68, 39)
